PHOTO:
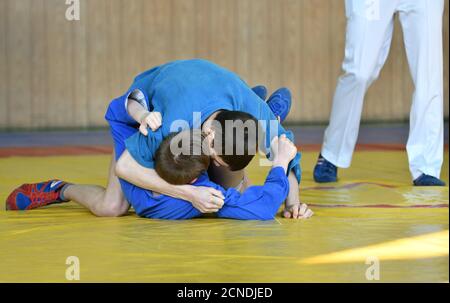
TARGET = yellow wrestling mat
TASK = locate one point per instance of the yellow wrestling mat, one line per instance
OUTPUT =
(371, 224)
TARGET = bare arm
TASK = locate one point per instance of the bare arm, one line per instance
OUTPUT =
(284, 151)
(294, 208)
(136, 110)
(205, 199)
(128, 169)
(144, 117)
(294, 189)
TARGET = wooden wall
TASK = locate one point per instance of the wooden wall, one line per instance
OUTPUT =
(56, 73)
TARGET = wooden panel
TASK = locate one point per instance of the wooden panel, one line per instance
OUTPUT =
(59, 99)
(203, 29)
(57, 73)
(79, 57)
(132, 45)
(98, 59)
(39, 61)
(18, 62)
(316, 59)
(4, 74)
(274, 45)
(223, 22)
(117, 79)
(242, 39)
(183, 34)
(259, 43)
(157, 39)
(292, 54)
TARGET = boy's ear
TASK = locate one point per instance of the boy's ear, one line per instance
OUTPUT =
(207, 131)
(209, 142)
(193, 181)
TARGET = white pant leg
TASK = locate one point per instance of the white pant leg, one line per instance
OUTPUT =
(422, 30)
(368, 40)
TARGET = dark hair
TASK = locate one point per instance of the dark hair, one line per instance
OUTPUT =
(238, 144)
(181, 167)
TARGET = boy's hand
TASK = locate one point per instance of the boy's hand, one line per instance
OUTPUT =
(297, 211)
(206, 199)
(283, 150)
(150, 119)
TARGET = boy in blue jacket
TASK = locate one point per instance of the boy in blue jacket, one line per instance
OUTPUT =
(255, 203)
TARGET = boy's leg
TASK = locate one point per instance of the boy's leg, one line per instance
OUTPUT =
(110, 201)
(422, 31)
(100, 201)
(103, 202)
(368, 40)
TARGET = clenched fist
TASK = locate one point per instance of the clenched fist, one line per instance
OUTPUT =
(283, 150)
(206, 199)
(150, 119)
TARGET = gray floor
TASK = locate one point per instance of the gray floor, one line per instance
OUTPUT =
(373, 134)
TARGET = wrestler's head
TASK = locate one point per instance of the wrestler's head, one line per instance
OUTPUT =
(232, 137)
(180, 159)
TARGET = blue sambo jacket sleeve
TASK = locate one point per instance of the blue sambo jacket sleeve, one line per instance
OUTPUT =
(257, 202)
(143, 148)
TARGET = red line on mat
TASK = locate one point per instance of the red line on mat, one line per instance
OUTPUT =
(42, 151)
(54, 151)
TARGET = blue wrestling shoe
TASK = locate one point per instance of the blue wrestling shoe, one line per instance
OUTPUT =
(280, 103)
(427, 180)
(325, 171)
(261, 91)
(29, 196)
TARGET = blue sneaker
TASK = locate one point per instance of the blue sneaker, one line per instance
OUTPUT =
(261, 91)
(280, 103)
(325, 171)
(427, 180)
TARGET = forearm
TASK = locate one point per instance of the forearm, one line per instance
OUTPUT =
(294, 187)
(280, 163)
(136, 110)
(128, 169)
(293, 183)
